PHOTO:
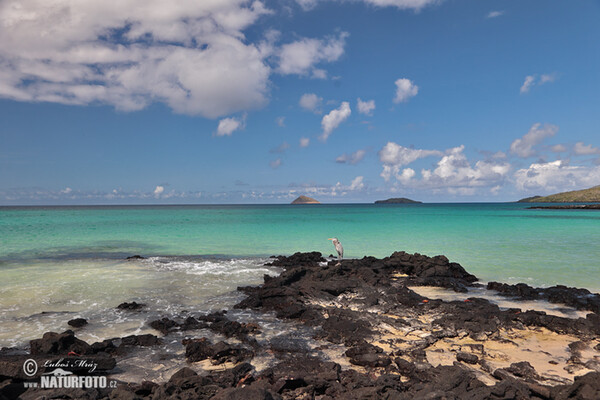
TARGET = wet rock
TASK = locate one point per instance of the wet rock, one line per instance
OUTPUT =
(133, 306)
(136, 257)
(224, 352)
(77, 322)
(146, 340)
(198, 349)
(286, 344)
(163, 325)
(105, 346)
(221, 352)
(59, 343)
(183, 373)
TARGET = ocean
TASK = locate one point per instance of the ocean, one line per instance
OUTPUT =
(58, 263)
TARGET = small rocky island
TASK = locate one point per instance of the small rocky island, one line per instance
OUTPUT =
(305, 200)
(398, 200)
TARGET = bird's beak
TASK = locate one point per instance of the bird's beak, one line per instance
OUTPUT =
(330, 239)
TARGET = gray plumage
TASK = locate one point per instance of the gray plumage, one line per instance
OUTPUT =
(338, 248)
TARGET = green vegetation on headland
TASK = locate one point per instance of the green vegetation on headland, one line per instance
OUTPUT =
(591, 195)
(398, 200)
(305, 200)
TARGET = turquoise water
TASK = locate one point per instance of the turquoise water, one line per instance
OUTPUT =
(494, 241)
(69, 260)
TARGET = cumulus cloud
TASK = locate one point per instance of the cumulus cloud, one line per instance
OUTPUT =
(158, 190)
(352, 159)
(229, 125)
(556, 175)
(301, 56)
(533, 80)
(191, 56)
(365, 107)
(454, 170)
(559, 148)
(311, 102)
(405, 89)
(581, 149)
(494, 14)
(335, 117)
(525, 146)
(394, 156)
(357, 183)
(304, 142)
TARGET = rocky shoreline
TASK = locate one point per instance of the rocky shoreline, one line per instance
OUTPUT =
(359, 330)
(568, 207)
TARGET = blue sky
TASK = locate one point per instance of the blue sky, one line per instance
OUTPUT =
(235, 101)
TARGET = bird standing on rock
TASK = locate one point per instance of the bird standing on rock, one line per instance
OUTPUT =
(338, 248)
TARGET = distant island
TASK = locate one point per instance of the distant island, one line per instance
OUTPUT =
(591, 195)
(398, 200)
(305, 200)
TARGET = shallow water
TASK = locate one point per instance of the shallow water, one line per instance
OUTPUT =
(69, 261)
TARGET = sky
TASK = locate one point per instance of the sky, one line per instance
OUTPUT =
(260, 101)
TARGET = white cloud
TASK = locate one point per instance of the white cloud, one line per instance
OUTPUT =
(452, 173)
(395, 154)
(357, 183)
(158, 191)
(546, 78)
(280, 121)
(455, 171)
(318, 73)
(365, 107)
(192, 56)
(66, 190)
(401, 4)
(301, 56)
(311, 102)
(532, 80)
(527, 84)
(558, 148)
(406, 175)
(556, 176)
(335, 117)
(585, 150)
(495, 14)
(275, 163)
(229, 125)
(524, 147)
(405, 89)
(304, 142)
(307, 4)
(351, 159)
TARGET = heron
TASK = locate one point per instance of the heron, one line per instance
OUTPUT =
(338, 248)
